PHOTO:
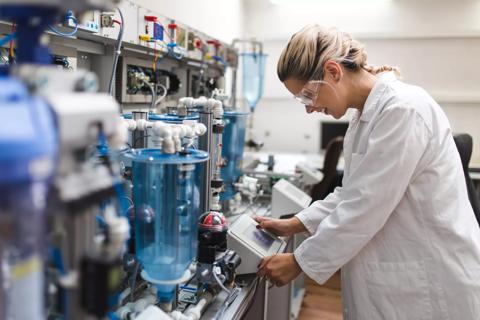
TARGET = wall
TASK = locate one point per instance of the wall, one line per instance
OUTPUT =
(222, 19)
(435, 43)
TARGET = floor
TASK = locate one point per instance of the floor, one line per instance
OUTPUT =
(322, 302)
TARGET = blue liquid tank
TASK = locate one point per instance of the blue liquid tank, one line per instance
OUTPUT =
(28, 145)
(167, 200)
(232, 150)
(253, 76)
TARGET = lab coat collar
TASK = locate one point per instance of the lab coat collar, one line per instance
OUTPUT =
(377, 91)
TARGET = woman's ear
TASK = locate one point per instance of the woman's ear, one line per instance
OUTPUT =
(334, 70)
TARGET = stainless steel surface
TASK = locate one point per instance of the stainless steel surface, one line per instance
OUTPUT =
(80, 231)
(248, 304)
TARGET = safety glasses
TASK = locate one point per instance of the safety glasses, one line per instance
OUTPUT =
(309, 93)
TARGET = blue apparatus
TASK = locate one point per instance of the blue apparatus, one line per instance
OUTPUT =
(28, 145)
(232, 150)
(253, 75)
(167, 200)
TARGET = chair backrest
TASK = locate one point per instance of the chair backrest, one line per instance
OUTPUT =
(464, 143)
(332, 155)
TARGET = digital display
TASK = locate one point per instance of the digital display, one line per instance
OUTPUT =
(261, 238)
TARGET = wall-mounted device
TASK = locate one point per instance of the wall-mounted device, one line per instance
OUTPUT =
(89, 21)
(288, 199)
(252, 244)
(132, 90)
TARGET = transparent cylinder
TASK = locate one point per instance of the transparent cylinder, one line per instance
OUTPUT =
(232, 150)
(253, 77)
(22, 243)
(166, 198)
(217, 156)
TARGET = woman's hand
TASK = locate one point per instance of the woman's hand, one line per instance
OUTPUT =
(280, 227)
(279, 269)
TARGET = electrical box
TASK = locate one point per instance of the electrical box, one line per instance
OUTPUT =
(130, 16)
(132, 90)
(288, 199)
(252, 244)
(88, 21)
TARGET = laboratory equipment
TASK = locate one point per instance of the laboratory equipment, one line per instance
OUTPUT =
(253, 60)
(211, 116)
(252, 244)
(26, 170)
(308, 174)
(167, 199)
(253, 77)
(288, 199)
(60, 102)
(142, 137)
(215, 264)
(232, 151)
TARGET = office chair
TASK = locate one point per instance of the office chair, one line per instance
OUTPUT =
(464, 143)
(331, 178)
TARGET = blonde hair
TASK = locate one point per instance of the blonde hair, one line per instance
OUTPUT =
(308, 50)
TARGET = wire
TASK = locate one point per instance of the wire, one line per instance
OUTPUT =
(219, 59)
(164, 94)
(129, 200)
(8, 38)
(11, 52)
(228, 301)
(118, 51)
(171, 51)
(220, 282)
(134, 280)
(69, 16)
(152, 91)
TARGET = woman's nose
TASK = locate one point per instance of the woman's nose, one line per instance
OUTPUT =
(309, 109)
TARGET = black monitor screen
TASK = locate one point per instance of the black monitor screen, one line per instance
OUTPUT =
(331, 130)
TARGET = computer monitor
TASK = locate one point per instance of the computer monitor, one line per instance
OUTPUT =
(330, 130)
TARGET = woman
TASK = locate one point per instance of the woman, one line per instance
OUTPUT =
(401, 227)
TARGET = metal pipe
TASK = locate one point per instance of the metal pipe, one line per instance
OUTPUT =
(80, 231)
(139, 138)
(206, 143)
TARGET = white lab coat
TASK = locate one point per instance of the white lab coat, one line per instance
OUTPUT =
(401, 227)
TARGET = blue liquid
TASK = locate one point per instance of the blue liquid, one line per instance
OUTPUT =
(166, 197)
(232, 151)
(253, 76)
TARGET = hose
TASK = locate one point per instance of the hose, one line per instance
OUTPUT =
(71, 34)
(164, 94)
(152, 90)
(220, 282)
(118, 51)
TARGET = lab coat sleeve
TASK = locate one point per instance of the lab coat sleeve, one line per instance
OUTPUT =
(376, 184)
(319, 210)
